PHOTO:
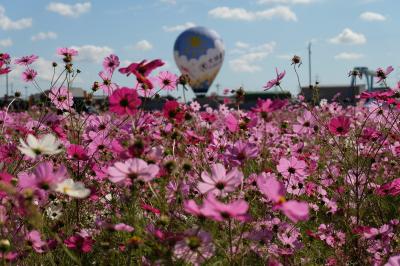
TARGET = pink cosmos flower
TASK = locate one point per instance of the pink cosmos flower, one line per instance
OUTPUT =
(231, 122)
(29, 75)
(124, 101)
(4, 63)
(67, 52)
(107, 85)
(44, 177)
(268, 106)
(219, 182)
(77, 152)
(274, 190)
(9, 256)
(240, 152)
(110, 63)
(132, 169)
(275, 82)
(190, 206)
(123, 227)
(382, 74)
(195, 247)
(4, 69)
(339, 125)
(391, 188)
(5, 58)
(219, 211)
(5, 178)
(147, 89)
(289, 235)
(34, 240)
(305, 123)
(81, 242)
(167, 80)
(292, 168)
(26, 60)
(393, 261)
(61, 97)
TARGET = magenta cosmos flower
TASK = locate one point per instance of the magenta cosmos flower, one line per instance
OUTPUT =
(292, 168)
(4, 63)
(274, 191)
(110, 63)
(26, 60)
(77, 152)
(167, 80)
(29, 75)
(195, 247)
(141, 71)
(382, 74)
(62, 98)
(4, 69)
(132, 169)
(339, 125)
(219, 182)
(219, 211)
(174, 111)
(391, 188)
(81, 242)
(143, 68)
(124, 101)
(277, 81)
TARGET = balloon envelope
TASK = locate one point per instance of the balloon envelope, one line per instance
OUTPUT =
(199, 53)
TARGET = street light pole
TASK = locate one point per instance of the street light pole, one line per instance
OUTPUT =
(309, 63)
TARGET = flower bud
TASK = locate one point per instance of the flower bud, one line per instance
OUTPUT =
(4, 245)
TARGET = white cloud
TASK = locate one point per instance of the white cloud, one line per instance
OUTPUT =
(92, 53)
(69, 10)
(247, 61)
(285, 56)
(347, 36)
(7, 24)
(44, 36)
(242, 45)
(143, 45)
(286, 2)
(224, 12)
(348, 56)
(372, 16)
(180, 27)
(6, 42)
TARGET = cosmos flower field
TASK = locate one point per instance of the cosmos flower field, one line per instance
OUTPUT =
(285, 183)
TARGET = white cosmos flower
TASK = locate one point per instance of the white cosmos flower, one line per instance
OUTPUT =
(33, 147)
(73, 189)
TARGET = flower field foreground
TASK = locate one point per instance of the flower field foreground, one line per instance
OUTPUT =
(286, 183)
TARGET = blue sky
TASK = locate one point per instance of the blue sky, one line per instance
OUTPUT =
(259, 35)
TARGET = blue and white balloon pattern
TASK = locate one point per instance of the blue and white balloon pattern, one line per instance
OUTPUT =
(199, 53)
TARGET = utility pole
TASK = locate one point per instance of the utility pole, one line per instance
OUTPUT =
(309, 63)
(7, 84)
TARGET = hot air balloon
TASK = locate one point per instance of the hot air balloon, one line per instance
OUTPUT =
(199, 53)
